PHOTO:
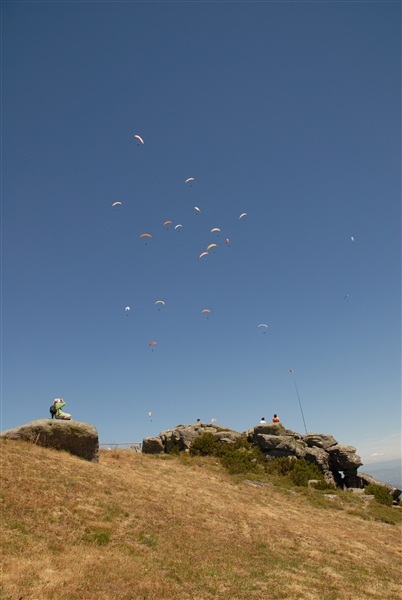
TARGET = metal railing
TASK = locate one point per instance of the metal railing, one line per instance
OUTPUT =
(137, 446)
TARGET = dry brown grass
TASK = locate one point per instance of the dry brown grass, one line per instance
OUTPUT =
(143, 527)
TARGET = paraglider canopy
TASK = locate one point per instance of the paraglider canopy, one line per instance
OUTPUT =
(189, 179)
(158, 303)
(115, 204)
(202, 254)
(243, 215)
(139, 139)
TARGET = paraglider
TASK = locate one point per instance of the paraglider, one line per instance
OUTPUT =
(178, 226)
(167, 223)
(215, 230)
(206, 311)
(117, 204)
(264, 327)
(189, 179)
(150, 415)
(151, 345)
(146, 236)
(243, 215)
(127, 310)
(202, 254)
(139, 139)
(353, 239)
(160, 302)
(211, 246)
(227, 242)
(198, 210)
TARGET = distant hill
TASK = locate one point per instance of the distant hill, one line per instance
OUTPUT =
(388, 471)
(174, 527)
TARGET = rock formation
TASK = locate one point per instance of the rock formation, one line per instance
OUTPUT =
(181, 437)
(80, 439)
(321, 449)
(338, 463)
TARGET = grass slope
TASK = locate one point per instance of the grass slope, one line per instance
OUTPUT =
(147, 527)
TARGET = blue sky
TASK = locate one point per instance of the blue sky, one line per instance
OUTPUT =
(288, 111)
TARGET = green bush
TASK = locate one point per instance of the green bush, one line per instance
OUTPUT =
(237, 461)
(280, 465)
(241, 457)
(205, 445)
(321, 484)
(237, 457)
(380, 493)
(303, 471)
(298, 470)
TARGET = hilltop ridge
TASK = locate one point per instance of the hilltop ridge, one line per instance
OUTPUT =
(140, 526)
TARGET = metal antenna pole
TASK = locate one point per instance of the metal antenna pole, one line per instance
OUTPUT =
(301, 409)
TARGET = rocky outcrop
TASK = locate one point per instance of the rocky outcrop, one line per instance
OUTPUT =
(338, 463)
(152, 445)
(323, 450)
(80, 439)
(181, 437)
(360, 480)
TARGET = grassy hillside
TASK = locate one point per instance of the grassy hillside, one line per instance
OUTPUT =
(149, 527)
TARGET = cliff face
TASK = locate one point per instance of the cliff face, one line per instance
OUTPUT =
(339, 463)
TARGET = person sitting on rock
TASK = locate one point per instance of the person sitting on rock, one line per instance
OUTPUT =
(275, 419)
(59, 404)
(263, 421)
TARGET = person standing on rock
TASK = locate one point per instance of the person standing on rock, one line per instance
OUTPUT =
(263, 421)
(59, 404)
(275, 419)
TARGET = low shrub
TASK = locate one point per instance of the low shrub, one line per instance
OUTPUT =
(237, 457)
(298, 470)
(280, 465)
(205, 445)
(321, 484)
(237, 461)
(380, 493)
